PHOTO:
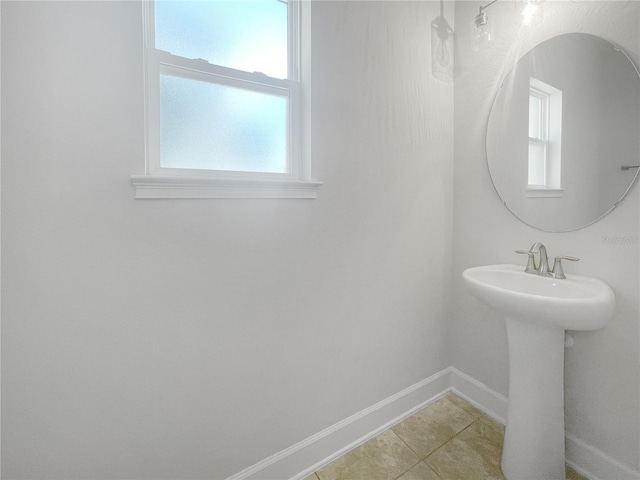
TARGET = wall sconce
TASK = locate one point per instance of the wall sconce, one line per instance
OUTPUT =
(482, 29)
(482, 26)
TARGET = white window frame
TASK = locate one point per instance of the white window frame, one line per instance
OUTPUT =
(162, 182)
(550, 138)
(542, 138)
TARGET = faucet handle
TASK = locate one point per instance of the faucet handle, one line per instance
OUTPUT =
(557, 271)
(531, 263)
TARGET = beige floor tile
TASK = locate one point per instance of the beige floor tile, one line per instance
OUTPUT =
(313, 476)
(462, 443)
(497, 426)
(573, 475)
(420, 472)
(463, 404)
(477, 413)
(430, 428)
(384, 457)
(473, 454)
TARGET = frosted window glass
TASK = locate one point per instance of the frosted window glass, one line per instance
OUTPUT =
(217, 127)
(537, 164)
(249, 35)
(535, 117)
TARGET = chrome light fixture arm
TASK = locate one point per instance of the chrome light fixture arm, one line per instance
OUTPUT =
(482, 18)
(482, 28)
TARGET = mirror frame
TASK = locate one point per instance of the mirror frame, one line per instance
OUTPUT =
(500, 85)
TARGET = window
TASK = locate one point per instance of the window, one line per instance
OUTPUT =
(545, 135)
(224, 100)
(538, 137)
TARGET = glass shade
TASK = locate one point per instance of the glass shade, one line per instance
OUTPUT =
(481, 32)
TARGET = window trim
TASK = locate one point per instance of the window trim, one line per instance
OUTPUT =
(162, 182)
(550, 138)
(543, 138)
(164, 186)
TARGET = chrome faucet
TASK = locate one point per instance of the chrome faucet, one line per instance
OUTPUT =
(541, 267)
(543, 261)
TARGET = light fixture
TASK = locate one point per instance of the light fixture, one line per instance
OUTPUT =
(482, 29)
(482, 26)
(532, 13)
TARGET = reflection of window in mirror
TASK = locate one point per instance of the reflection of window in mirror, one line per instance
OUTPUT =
(545, 132)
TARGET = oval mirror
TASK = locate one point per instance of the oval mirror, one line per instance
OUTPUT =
(563, 137)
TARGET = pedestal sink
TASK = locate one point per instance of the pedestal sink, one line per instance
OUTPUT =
(538, 310)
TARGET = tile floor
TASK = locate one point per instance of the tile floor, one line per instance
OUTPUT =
(448, 440)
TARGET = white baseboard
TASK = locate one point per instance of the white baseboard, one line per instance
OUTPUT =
(583, 458)
(479, 395)
(311, 454)
(320, 449)
(595, 464)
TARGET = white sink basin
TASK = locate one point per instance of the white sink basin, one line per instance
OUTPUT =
(538, 310)
(574, 303)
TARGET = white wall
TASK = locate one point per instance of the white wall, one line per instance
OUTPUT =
(603, 367)
(190, 339)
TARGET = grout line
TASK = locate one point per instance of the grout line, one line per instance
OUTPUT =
(411, 449)
(396, 478)
(408, 446)
(423, 458)
(476, 419)
(446, 442)
(455, 434)
(430, 468)
(413, 466)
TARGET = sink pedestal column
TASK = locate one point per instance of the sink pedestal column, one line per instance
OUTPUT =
(534, 435)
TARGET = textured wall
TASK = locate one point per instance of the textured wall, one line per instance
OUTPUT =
(190, 339)
(602, 368)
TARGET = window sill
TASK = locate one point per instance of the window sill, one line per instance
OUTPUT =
(158, 187)
(545, 192)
